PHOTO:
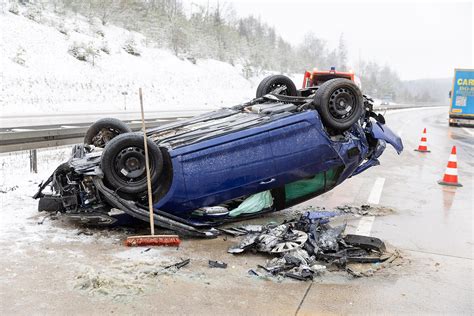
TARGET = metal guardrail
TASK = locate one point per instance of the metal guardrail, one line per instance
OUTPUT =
(29, 138)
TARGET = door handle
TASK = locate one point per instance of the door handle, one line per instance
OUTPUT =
(268, 181)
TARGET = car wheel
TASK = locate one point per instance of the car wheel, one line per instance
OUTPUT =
(123, 163)
(340, 103)
(270, 83)
(104, 130)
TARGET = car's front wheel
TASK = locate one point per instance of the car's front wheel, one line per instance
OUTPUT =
(123, 163)
(340, 103)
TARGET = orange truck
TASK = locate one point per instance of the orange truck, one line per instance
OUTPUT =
(317, 77)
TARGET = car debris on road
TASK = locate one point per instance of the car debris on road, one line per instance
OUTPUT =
(178, 265)
(217, 264)
(306, 246)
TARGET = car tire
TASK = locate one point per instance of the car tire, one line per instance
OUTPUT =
(270, 83)
(104, 130)
(340, 103)
(123, 164)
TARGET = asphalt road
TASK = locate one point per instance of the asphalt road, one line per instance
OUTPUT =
(431, 225)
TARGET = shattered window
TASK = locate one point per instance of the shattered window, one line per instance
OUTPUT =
(321, 182)
(304, 187)
(331, 177)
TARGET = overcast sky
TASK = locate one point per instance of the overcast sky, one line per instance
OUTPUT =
(419, 39)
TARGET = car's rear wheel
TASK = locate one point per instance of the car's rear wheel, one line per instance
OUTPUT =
(123, 163)
(104, 130)
(270, 83)
(340, 103)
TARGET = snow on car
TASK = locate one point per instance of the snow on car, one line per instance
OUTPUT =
(284, 147)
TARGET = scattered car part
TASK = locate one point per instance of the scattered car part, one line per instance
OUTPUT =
(365, 242)
(246, 243)
(328, 239)
(291, 242)
(178, 265)
(301, 273)
(217, 264)
(317, 242)
(242, 230)
(104, 130)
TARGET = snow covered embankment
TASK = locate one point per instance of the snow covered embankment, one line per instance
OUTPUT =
(39, 74)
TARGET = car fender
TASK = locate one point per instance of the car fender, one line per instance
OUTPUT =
(383, 132)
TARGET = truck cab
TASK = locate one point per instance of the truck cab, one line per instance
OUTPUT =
(318, 77)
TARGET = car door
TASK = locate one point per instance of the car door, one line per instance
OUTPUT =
(299, 148)
(228, 170)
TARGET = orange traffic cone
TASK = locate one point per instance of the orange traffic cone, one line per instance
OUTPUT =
(423, 147)
(451, 174)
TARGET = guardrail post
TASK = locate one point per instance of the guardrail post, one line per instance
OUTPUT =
(33, 161)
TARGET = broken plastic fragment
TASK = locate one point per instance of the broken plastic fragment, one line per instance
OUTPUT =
(217, 264)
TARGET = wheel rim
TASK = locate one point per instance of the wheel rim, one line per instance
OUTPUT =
(342, 104)
(129, 164)
(275, 86)
(104, 136)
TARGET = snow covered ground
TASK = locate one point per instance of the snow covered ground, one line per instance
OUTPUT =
(39, 75)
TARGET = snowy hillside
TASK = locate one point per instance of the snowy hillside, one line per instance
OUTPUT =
(38, 70)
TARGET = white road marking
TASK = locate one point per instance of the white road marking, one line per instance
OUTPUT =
(467, 130)
(366, 222)
(365, 225)
(376, 192)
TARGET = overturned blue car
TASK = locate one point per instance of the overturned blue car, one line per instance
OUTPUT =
(284, 147)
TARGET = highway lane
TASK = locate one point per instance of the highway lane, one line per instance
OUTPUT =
(432, 224)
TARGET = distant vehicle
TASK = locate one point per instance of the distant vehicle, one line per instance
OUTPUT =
(318, 77)
(461, 111)
(293, 144)
(386, 100)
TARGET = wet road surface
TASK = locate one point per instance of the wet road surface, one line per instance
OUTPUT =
(432, 226)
